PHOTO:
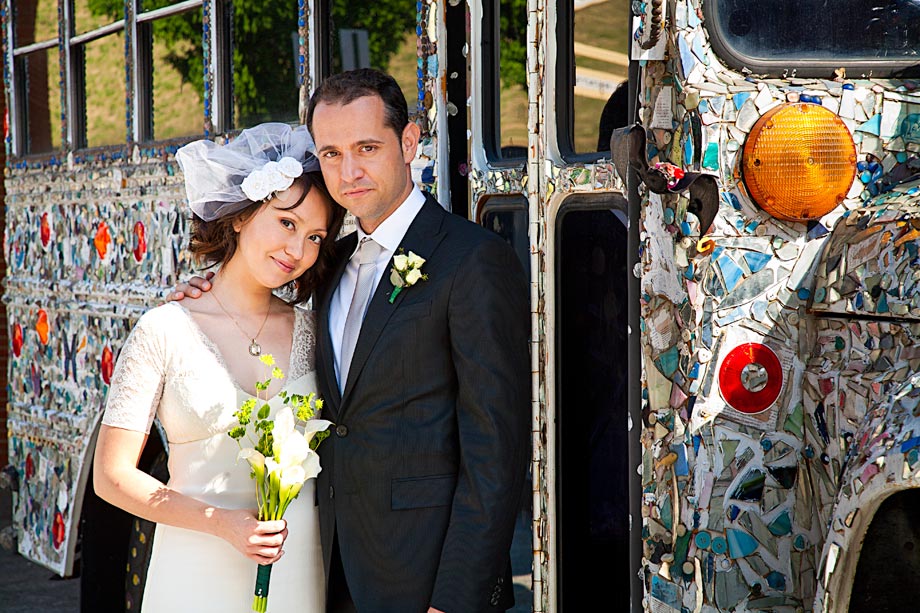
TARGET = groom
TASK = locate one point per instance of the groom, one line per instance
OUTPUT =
(428, 386)
(423, 476)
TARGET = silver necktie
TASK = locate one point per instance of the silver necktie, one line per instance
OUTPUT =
(367, 253)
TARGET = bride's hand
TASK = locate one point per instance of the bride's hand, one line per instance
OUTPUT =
(192, 289)
(260, 541)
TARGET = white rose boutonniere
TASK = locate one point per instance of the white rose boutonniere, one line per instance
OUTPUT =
(406, 272)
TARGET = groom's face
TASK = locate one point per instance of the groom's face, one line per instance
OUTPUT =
(364, 161)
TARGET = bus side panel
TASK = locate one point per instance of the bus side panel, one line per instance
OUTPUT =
(89, 247)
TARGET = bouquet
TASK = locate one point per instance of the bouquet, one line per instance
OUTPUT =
(281, 456)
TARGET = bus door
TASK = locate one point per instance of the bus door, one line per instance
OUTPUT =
(540, 176)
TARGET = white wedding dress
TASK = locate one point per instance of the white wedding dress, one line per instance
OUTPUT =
(168, 368)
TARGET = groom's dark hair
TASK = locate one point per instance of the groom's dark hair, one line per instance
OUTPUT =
(347, 87)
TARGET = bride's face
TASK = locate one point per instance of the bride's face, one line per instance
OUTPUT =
(279, 243)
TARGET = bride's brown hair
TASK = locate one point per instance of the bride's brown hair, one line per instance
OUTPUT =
(214, 242)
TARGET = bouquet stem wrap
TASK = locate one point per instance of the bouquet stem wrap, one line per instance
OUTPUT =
(260, 600)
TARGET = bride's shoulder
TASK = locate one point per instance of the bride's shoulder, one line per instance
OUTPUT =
(163, 318)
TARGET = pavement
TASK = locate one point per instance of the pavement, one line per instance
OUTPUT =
(29, 588)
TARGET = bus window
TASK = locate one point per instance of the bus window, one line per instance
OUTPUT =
(266, 80)
(512, 81)
(592, 439)
(37, 67)
(167, 58)
(507, 217)
(773, 37)
(597, 61)
(178, 84)
(376, 34)
(95, 51)
(104, 70)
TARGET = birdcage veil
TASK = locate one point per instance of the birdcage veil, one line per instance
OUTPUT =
(221, 180)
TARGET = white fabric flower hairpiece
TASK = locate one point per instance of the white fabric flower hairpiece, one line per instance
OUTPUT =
(274, 177)
(221, 180)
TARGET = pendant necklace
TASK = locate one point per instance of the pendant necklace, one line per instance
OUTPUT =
(255, 349)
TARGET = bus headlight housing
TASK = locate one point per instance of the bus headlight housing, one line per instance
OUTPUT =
(799, 161)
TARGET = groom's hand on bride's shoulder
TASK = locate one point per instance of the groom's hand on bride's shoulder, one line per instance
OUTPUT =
(192, 289)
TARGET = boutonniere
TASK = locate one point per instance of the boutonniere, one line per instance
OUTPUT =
(406, 272)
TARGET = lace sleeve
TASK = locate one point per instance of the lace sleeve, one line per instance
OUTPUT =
(137, 382)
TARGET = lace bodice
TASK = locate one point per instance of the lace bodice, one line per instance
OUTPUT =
(169, 368)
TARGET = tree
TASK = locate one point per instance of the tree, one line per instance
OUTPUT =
(264, 60)
(263, 51)
(513, 42)
(387, 22)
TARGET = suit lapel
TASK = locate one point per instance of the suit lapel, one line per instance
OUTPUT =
(344, 248)
(422, 237)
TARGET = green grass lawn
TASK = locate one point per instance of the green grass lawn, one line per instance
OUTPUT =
(178, 108)
(604, 25)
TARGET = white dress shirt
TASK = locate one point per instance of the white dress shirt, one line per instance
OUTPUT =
(388, 235)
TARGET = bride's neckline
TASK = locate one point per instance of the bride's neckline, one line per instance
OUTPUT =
(213, 348)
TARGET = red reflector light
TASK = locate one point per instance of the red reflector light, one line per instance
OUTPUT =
(750, 378)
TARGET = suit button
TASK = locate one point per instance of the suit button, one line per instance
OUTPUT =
(341, 430)
(331, 493)
(494, 601)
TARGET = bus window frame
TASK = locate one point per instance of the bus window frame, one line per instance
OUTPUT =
(491, 107)
(500, 202)
(18, 95)
(801, 68)
(564, 116)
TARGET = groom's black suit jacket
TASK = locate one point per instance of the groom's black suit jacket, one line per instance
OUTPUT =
(424, 471)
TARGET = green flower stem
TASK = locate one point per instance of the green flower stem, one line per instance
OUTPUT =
(395, 293)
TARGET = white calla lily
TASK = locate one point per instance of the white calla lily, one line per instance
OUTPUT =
(293, 475)
(272, 467)
(282, 429)
(313, 426)
(312, 466)
(294, 450)
(255, 459)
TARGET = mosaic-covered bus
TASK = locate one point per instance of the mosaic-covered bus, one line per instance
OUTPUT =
(716, 202)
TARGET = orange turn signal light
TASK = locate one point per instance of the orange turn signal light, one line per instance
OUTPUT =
(799, 161)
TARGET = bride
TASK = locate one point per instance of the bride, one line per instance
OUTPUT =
(263, 215)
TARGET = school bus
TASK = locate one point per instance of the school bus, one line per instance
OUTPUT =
(716, 202)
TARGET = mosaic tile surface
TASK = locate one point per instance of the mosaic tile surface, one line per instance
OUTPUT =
(749, 510)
